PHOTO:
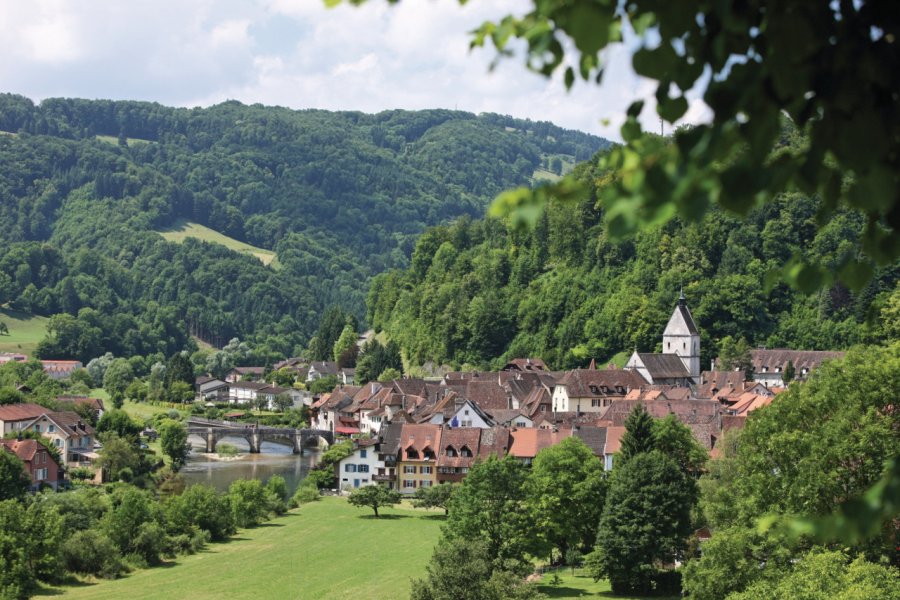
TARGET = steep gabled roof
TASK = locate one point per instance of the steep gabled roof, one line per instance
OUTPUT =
(664, 366)
(681, 322)
(768, 361)
(488, 395)
(593, 437)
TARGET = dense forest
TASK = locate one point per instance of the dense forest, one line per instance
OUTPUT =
(339, 197)
(480, 292)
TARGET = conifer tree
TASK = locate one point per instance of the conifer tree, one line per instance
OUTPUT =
(638, 436)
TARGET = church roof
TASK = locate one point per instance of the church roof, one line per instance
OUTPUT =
(664, 366)
(681, 321)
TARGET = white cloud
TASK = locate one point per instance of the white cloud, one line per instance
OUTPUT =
(299, 54)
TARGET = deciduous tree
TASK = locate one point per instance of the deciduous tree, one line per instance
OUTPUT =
(374, 496)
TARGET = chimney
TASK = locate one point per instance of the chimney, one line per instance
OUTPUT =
(403, 402)
(509, 402)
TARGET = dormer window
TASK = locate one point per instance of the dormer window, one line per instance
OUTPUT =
(412, 454)
(451, 451)
(464, 451)
(428, 454)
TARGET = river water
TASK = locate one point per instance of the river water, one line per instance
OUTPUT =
(275, 459)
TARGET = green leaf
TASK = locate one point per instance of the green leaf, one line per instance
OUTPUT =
(658, 63)
(672, 109)
(569, 77)
(588, 25)
(635, 108)
(631, 129)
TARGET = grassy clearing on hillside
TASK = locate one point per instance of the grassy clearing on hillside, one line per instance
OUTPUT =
(25, 331)
(326, 550)
(111, 139)
(182, 230)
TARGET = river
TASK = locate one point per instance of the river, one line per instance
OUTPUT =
(275, 459)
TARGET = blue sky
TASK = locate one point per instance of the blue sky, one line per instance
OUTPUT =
(299, 54)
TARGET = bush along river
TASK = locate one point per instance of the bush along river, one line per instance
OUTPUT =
(274, 459)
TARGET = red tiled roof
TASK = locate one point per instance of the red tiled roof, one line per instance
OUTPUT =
(24, 449)
(526, 443)
(21, 412)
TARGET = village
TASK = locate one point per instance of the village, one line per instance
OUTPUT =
(413, 433)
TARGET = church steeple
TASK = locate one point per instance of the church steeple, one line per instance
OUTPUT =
(682, 337)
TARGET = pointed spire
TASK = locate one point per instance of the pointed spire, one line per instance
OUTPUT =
(593, 365)
(681, 298)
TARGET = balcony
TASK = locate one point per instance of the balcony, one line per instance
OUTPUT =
(384, 478)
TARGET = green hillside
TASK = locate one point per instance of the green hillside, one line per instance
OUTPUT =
(481, 292)
(181, 230)
(25, 331)
(337, 197)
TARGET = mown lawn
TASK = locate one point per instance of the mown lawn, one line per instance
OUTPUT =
(326, 550)
(581, 585)
(182, 230)
(25, 331)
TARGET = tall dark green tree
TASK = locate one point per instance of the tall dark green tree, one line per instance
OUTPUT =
(646, 522)
(638, 437)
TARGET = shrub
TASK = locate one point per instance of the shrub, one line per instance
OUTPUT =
(304, 494)
(91, 552)
(225, 449)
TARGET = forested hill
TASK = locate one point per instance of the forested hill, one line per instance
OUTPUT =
(482, 292)
(339, 196)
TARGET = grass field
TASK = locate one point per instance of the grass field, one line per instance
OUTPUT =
(25, 331)
(582, 585)
(326, 550)
(186, 229)
(111, 139)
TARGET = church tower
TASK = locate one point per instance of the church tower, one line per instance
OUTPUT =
(681, 337)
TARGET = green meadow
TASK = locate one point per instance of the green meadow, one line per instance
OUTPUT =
(25, 331)
(326, 550)
(182, 230)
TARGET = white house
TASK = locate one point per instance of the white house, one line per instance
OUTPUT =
(358, 469)
(68, 433)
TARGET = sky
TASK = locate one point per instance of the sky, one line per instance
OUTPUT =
(297, 53)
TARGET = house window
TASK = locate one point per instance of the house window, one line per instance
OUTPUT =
(464, 451)
(58, 442)
(362, 453)
(362, 468)
(40, 474)
(409, 469)
(451, 451)
(412, 454)
(409, 483)
(464, 470)
(425, 484)
(595, 402)
(520, 423)
(543, 408)
(37, 428)
(425, 470)
(668, 345)
(349, 468)
(51, 428)
(466, 423)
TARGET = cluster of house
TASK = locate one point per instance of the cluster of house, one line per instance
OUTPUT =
(66, 431)
(422, 433)
(56, 369)
(245, 385)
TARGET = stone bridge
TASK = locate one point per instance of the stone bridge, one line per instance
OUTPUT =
(213, 431)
